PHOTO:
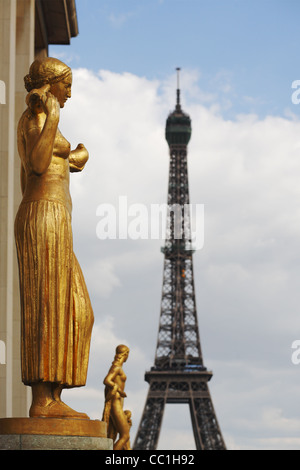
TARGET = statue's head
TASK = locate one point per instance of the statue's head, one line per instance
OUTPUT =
(52, 72)
(122, 351)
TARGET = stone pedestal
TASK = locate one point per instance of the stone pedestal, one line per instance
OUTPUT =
(53, 434)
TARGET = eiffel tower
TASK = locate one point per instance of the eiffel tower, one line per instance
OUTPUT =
(178, 374)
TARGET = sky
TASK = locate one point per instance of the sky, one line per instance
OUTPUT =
(239, 84)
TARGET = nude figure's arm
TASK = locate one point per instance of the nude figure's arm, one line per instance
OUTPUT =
(110, 381)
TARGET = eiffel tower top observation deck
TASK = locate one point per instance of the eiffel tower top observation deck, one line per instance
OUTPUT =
(178, 125)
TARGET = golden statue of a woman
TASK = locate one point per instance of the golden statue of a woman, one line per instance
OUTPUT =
(56, 313)
(118, 421)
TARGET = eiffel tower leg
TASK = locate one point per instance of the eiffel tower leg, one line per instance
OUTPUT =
(150, 424)
(206, 429)
(195, 425)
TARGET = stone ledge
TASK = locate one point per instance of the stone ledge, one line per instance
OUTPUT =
(53, 427)
(43, 442)
(53, 434)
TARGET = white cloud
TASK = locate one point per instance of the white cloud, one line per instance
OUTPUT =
(101, 278)
(245, 172)
(274, 419)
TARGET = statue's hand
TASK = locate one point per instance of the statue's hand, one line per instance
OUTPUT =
(36, 99)
(51, 105)
(78, 158)
(82, 153)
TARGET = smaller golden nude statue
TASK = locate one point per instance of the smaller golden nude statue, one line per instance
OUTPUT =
(118, 420)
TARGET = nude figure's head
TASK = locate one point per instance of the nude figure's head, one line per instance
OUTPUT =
(122, 351)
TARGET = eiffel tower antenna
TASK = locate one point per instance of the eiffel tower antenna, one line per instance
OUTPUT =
(178, 107)
(179, 374)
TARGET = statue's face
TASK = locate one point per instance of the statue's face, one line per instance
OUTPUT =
(126, 356)
(62, 89)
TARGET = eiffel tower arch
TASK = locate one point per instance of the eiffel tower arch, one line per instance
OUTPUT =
(178, 374)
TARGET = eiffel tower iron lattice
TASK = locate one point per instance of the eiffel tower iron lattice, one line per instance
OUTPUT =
(179, 375)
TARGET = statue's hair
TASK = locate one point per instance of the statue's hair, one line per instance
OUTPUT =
(45, 71)
(121, 350)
